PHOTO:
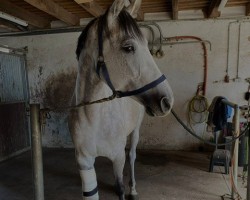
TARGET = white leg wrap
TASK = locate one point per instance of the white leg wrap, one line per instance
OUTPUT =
(89, 184)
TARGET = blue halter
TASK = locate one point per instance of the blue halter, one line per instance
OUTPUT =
(101, 67)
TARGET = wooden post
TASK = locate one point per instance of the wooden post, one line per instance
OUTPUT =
(37, 159)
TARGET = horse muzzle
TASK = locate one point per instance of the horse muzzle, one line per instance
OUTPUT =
(160, 109)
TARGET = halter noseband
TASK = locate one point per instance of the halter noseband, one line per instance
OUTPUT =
(101, 67)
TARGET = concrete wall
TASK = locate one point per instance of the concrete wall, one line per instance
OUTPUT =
(52, 63)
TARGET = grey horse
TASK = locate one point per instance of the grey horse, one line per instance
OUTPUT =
(113, 57)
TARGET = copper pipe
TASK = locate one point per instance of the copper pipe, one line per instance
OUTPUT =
(204, 89)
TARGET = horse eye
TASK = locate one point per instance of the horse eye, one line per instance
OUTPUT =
(128, 49)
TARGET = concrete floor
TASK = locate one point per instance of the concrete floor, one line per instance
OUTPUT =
(160, 176)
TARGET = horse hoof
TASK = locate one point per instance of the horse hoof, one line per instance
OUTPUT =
(133, 197)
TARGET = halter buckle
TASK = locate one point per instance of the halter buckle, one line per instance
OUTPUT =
(101, 59)
(118, 94)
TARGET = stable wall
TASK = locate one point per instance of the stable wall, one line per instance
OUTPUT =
(51, 65)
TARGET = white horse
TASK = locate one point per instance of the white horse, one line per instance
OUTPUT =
(114, 57)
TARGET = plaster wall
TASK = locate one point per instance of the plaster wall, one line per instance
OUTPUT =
(51, 65)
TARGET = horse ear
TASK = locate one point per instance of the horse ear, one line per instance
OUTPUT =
(115, 10)
(134, 7)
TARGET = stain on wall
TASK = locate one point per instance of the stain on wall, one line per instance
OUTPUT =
(59, 89)
(58, 92)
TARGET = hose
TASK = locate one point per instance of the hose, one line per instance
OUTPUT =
(198, 111)
(198, 105)
(201, 139)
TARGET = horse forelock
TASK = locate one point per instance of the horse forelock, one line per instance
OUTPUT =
(127, 25)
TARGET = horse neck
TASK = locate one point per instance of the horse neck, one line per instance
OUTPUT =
(89, 86)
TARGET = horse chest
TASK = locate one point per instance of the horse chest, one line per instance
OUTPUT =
(105, 127)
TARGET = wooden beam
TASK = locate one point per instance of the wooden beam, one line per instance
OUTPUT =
(175, 9)
(55, 10)
(140, 15)
(16, 11)
(83, 1)
(213, 11)
(6, 25)
(248, 9)
(91, 6)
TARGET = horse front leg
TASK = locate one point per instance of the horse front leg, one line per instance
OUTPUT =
(89, 184)
(132, 156)
(118, 166)
(84, 156)
(88, 177)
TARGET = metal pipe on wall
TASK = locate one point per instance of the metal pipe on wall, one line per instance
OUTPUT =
(188, 42)
(205, 56)
(43, 32)
(162, 40)
(238, 55)
(160, 52)
(152, 33)
(156, 25)
(19, 50)
(37, 152)
(227, 78)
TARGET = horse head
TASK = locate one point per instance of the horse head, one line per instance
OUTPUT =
(129, 68)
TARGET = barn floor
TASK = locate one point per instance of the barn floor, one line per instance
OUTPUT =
(160, 175)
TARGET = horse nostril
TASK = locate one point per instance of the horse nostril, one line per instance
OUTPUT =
(165, 105)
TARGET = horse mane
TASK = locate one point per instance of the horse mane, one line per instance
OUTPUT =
(82, 38)
(126, 24)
